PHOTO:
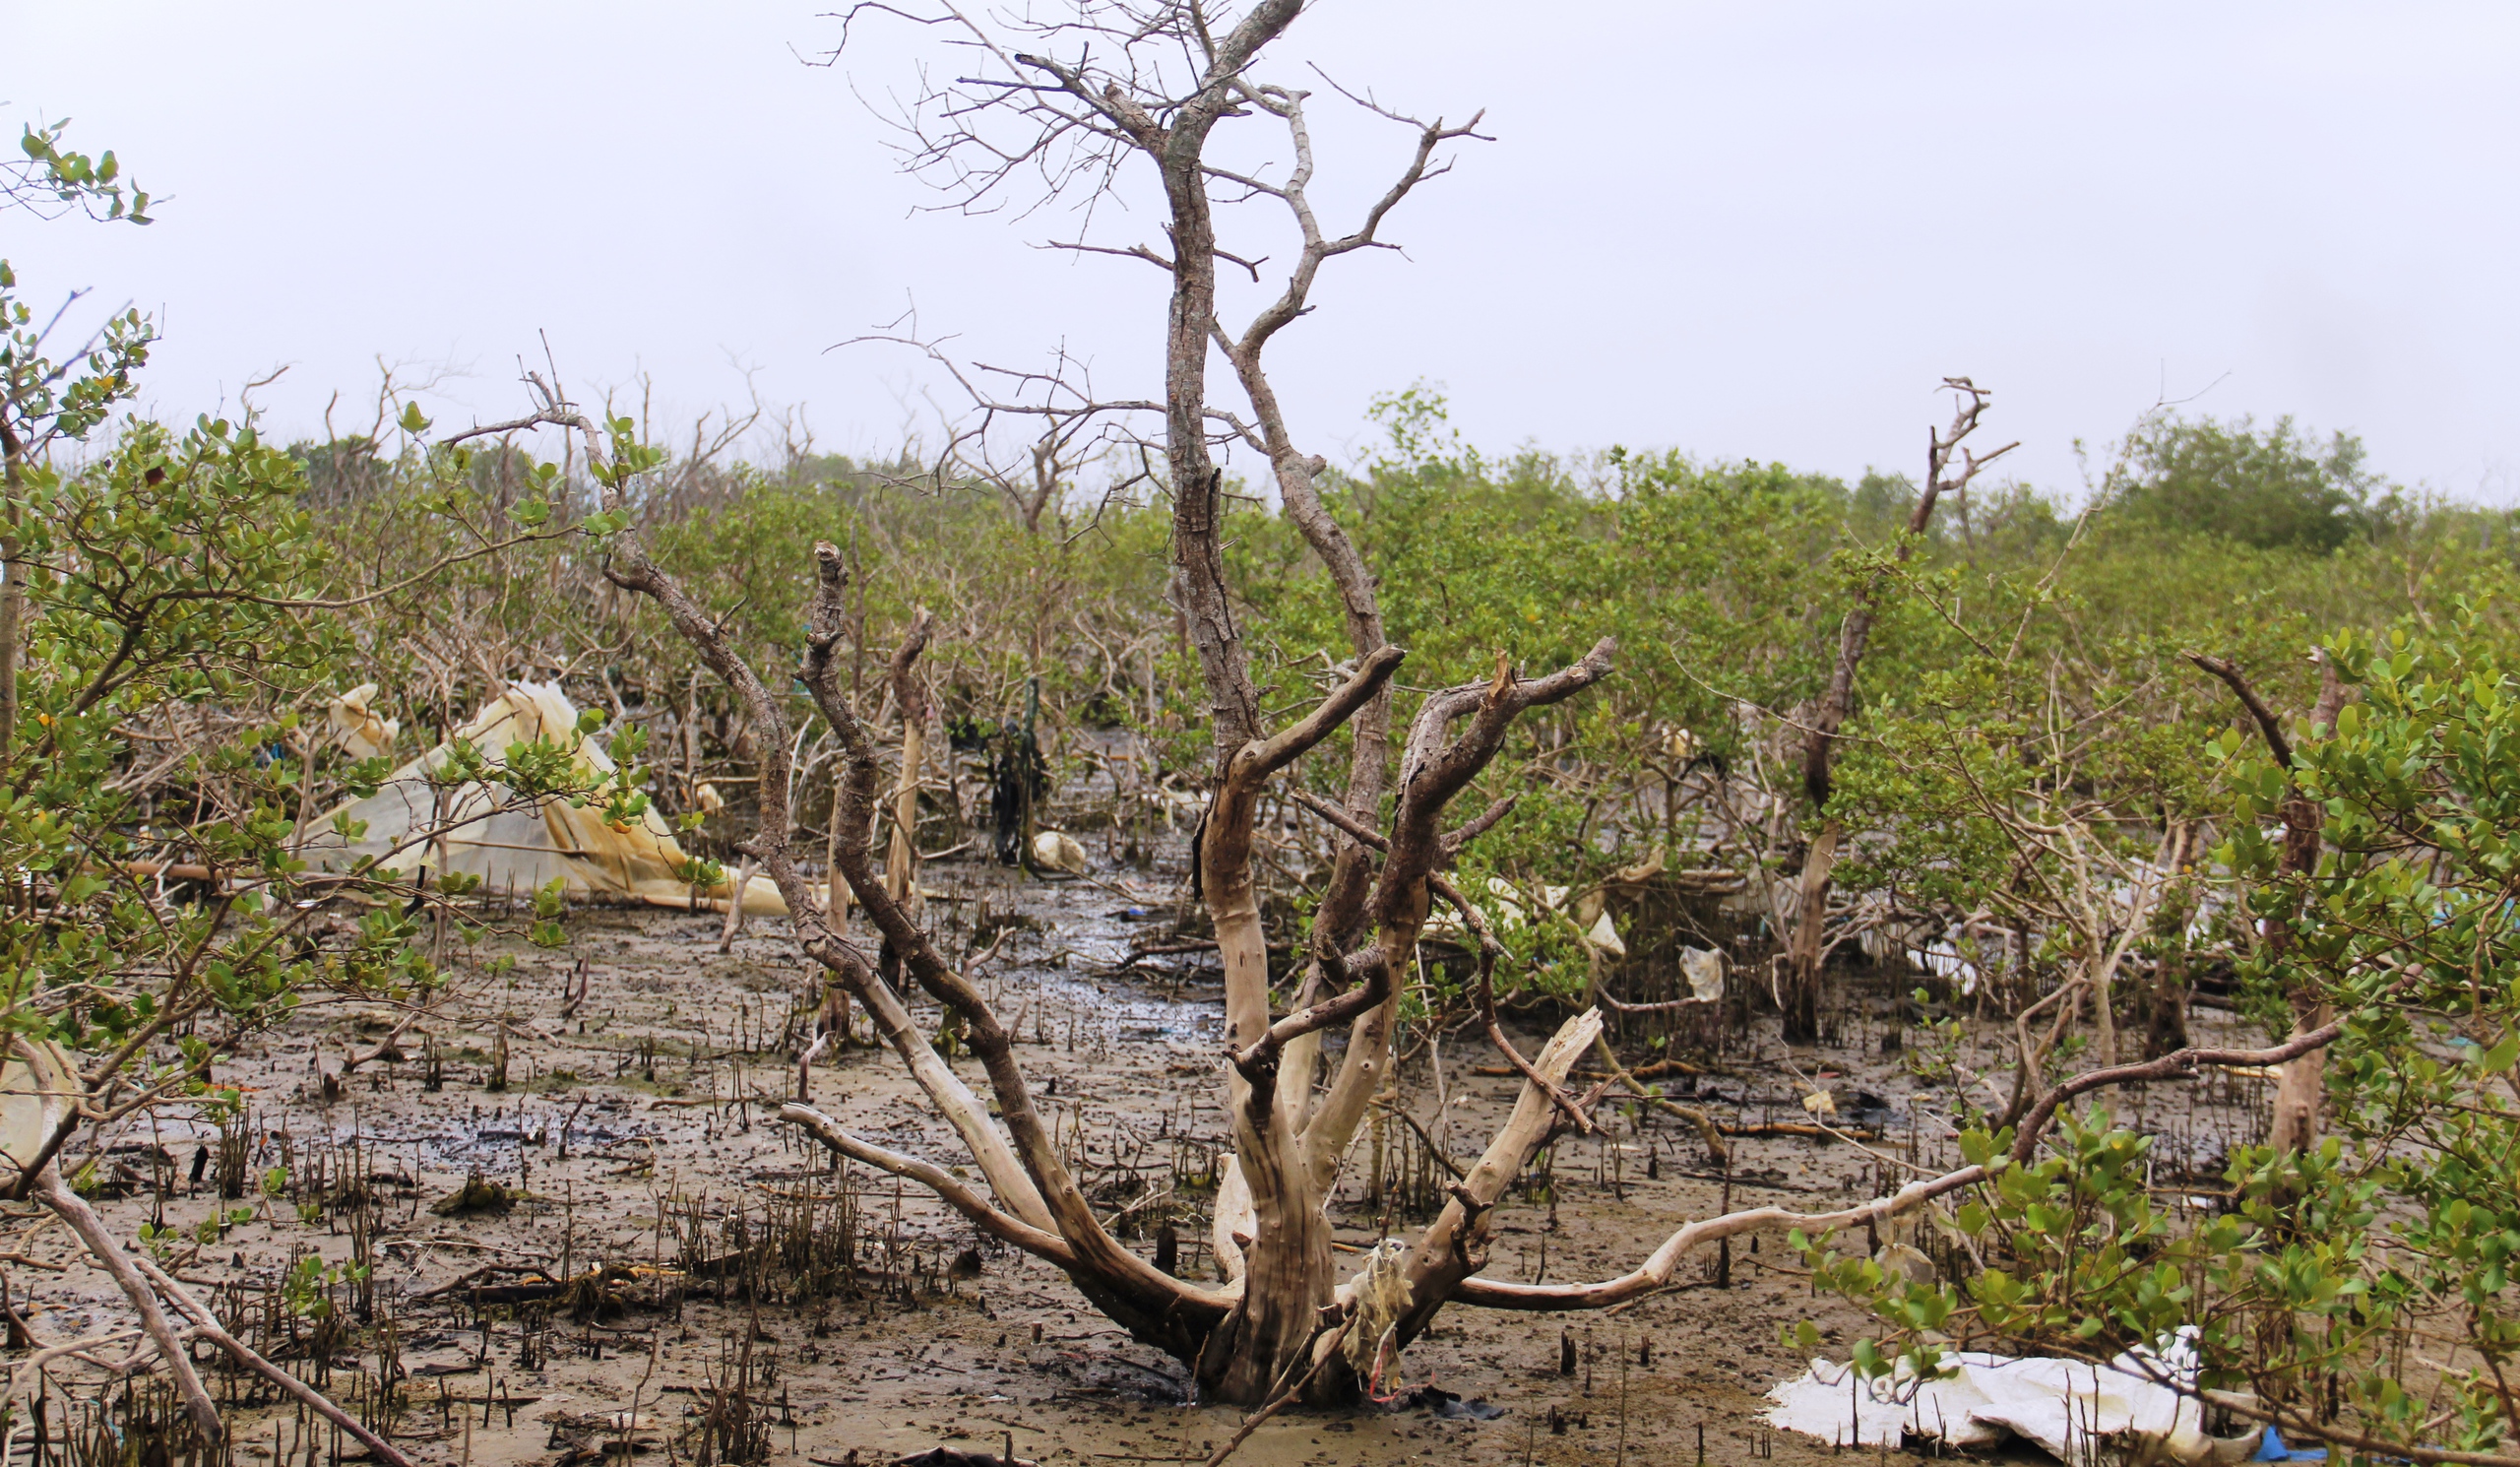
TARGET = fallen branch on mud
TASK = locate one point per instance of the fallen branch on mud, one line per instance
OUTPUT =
(206, 1325)
(1656, 1272)
(83, 1220)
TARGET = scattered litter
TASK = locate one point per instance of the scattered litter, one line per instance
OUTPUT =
(1057, 851)
(1900, 1258)
(2084, 1415)
(1509, 900)
(1943, 960)
(1381, 1292)
(1590, 915)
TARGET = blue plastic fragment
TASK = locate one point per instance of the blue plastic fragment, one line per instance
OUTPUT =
(2273, 1449)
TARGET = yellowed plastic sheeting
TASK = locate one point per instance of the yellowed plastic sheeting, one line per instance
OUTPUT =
(518, 845)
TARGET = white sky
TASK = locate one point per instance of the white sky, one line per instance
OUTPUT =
(1762, 229)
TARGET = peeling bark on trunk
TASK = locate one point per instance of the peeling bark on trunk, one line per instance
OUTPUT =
(1287, 1275)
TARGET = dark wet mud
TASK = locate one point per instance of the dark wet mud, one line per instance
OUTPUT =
(750, 1300)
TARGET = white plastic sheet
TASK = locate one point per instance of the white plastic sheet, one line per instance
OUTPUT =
(523, 845)
(2138, 1408)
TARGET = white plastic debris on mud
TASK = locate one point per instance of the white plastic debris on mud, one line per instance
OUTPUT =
(1057, 851)
(1704, 969)
(2139, 1408)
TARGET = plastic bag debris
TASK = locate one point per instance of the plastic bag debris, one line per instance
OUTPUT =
(357, 727)
(1704, 969)
(1381, 1292)
(1057, 851)
(2273, 1449)
(514, 843)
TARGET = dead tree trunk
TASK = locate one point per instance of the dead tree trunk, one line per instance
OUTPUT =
(1288, 1164)
(2300, 1086)
(1799, 988)
(1282, 1316)
(901, 858)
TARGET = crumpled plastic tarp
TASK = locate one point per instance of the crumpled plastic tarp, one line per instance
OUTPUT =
(2140, 1407)
(509, 844)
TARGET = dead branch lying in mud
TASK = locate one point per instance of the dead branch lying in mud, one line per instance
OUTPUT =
(1656, 1271)
(149, 1288)
(206, 1325)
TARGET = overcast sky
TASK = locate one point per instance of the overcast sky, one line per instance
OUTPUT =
(1758, 230)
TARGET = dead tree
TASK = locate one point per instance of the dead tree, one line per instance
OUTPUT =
(1149, 85)
(1139, 102)
(1797, 990)
(1282, 1316)
(1243, 1338)
(2300, 1086)
(1071, 426)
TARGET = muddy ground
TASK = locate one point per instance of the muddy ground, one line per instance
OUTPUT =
(635, 1127)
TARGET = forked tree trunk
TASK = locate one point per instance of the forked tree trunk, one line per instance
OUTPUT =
(1285, 1320)
(1279, 1325)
